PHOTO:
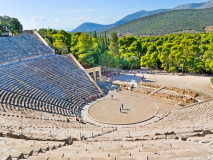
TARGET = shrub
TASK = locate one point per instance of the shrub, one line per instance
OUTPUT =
(172, 69)
(212, 80)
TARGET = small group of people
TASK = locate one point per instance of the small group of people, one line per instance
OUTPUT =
(134, 71)
(112, 73)
(80, 120)
(122, 107)
(95, 96)
(92, 97)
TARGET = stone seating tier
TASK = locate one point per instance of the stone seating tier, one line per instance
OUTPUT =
(152, 150)
(36, 125)
(23, 46)
(51, 81)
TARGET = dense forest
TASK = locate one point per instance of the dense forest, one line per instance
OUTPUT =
(194, 20)
(183, 52)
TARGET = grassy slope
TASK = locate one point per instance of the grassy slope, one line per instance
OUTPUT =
(168, 22)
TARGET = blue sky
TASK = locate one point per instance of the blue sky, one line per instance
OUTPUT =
(68, 14)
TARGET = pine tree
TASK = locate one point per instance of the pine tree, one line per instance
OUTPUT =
(105, 36)
(95, 35)
(113, 47)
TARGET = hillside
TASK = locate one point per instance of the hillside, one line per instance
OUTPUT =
(207, 4)
(167, 22)
(140, 14)
(89, 27)
(203, 5)
(191, 6)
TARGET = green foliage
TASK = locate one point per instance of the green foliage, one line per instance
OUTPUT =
(86, 59)
(47, 34)
(49, 43)
(62, 36)
(113, 47)
(168, 22)
(183, 52)
(109, 60)
(61, 41)
(60, 47)
(191, 53)
(85, 49)
(211, 80)
(172, 69)
(132, 60)
(95, 35)
(10, 25)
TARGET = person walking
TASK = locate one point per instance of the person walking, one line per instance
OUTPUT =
(122, 106)
(142, 77)
(120, 109)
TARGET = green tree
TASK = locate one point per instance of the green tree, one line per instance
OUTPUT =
(114, 47)
(86, 59)
(175, 57)
(47, 34)
(15, 26)
(189, 47)
(136, 48)
(74, 42)
(60, 47)
(62, 39)
(10, 25)
(85, 49)
(109, 60)
(95, 35)
(208, 61)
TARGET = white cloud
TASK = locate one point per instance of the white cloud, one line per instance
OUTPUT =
(39, 20)
(36, 22)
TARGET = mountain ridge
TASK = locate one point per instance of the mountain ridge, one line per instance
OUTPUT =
(201, 5)
(90, 27)
(173, 21)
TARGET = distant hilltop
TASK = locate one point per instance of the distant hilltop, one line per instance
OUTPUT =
(175, 21)
(90, 27)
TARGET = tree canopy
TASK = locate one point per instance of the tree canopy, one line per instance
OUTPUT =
(10, 25)
(183, 52)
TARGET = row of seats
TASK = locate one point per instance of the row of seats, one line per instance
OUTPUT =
(160, 140)
(22, 101)
(130, 150)
(183, 123)
(45, 80)
(34, 40)
(40, 96)
(25, 123)
(16, 86)
(193, 112)
(12, 48)
(22, 149)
